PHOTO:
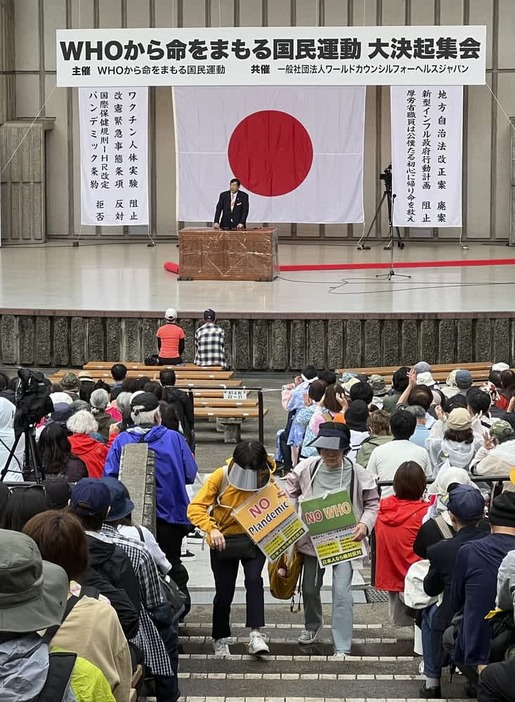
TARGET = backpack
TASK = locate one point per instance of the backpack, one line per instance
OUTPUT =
(61, 664)
(415, 596)
(169, 589)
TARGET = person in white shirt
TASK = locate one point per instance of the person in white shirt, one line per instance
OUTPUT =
(385, 459)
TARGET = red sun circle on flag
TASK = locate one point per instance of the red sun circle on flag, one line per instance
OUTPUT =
(271, 153)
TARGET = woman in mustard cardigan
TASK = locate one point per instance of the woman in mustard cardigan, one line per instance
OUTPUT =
(211, 510)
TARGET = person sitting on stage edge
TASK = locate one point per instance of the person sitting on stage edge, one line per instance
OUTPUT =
(232, 208)
(170, 340)
(209, 342)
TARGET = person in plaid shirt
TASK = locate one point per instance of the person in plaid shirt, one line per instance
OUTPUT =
(209, 342)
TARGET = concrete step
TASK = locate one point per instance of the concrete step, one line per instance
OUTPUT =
(382, 666)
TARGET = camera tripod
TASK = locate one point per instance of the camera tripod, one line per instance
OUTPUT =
(31, 463)
(386, 177)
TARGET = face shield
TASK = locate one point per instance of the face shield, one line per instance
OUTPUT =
(248, 479)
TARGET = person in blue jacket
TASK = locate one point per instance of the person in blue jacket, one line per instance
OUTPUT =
(175, 467)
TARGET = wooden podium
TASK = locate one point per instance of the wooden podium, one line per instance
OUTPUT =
(239, 254)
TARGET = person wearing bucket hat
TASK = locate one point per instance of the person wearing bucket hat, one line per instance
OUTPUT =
(466, 508)
(170, 340)
(33, 597)
(313, 477)
(212, 511)
(459, 444)
(70, 384)
(474, 587)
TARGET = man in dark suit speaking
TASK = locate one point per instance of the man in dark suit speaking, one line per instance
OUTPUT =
(232, 207)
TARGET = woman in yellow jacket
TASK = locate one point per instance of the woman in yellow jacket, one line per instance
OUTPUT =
(211, 510)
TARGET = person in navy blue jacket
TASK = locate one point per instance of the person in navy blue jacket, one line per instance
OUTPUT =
(466, 507)
(175, 467)
(474, 586)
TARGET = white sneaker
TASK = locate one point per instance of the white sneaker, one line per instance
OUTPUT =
(308, 636)
(257, 644)
(221, 648)
(339, 656)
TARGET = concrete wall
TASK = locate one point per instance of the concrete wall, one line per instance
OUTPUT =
(264, 344)
(487, 154)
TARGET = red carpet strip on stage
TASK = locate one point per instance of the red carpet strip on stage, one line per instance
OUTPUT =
(399, 264)
(174, 267)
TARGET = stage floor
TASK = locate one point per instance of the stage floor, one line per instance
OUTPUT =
(129, 279)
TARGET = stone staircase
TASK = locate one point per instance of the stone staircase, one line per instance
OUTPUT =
(382, 666)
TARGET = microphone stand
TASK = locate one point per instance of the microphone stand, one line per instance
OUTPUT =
(391, 244)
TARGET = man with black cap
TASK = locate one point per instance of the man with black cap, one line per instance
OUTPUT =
(474, 587)
(313, 477)
(175, 468)
(466, 507)
(209, 342)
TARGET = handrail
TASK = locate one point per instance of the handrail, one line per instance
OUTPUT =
(261, 405)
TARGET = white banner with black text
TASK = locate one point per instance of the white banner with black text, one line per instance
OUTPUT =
(114, 156)
(427, 150)
(268, 56)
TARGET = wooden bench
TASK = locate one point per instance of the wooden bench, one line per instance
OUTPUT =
(437, 368)
(440, 372)
(185, 383)
(151, 372)
(229, 419)
(132, 365)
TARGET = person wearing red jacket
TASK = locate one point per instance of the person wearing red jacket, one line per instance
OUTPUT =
(92, 452)
(400, 517)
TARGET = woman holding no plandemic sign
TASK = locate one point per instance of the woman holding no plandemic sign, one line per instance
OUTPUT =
(211, 510)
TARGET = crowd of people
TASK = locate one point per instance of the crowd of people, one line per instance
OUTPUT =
(420, 461)
(87, 595)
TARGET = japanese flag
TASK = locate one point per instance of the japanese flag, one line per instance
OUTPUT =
(298, 152)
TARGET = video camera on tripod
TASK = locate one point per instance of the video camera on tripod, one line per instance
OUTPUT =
(386, 177)
(32, 404)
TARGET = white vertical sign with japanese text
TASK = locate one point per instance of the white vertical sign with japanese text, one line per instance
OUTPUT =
(114, 156)
(427, 136)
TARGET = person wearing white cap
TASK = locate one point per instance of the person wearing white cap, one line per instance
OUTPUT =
(438, 524)
(170, 340)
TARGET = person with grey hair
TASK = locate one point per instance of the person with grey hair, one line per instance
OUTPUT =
(123, 402)
(175, 468)
(99, 401)
(82, 425)
(421, 431)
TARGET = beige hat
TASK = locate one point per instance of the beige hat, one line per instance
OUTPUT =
(459, 419)
(425, 379)
(347, 386)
